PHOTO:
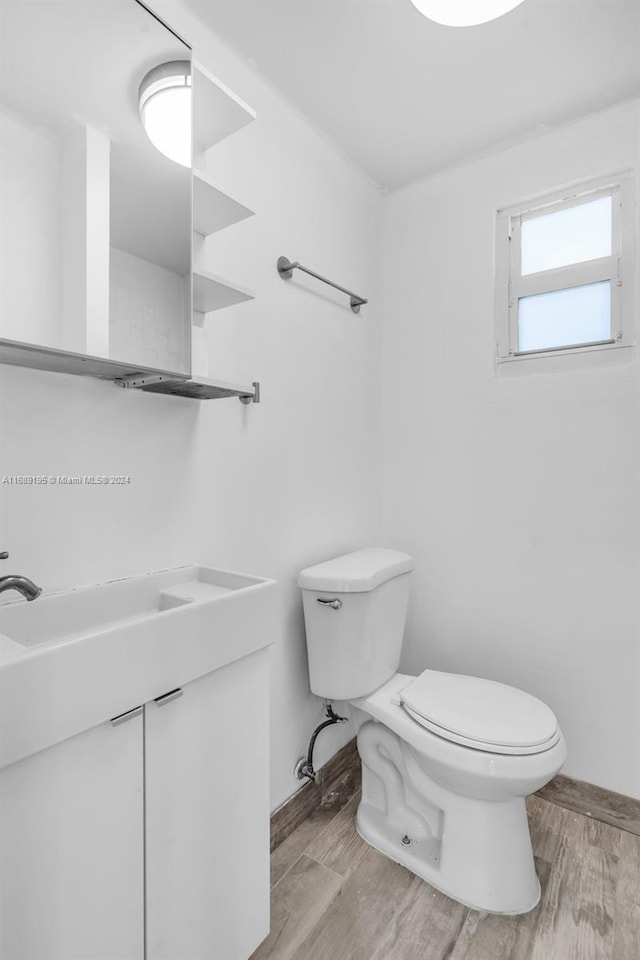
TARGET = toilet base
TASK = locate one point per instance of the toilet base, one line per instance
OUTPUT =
(476, 851)
(424, 863)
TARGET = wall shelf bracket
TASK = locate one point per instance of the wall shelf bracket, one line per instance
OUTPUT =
(200, 388)
(137, 382)
(251, 397)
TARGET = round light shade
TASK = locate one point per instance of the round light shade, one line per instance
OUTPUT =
(464, 13)
(165, 109)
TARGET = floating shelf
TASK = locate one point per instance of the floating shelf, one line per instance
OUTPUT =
(213, 209)
(217, 111)
(200, 388)
(214, 293)
(19, 354)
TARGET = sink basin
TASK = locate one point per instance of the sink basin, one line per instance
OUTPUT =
(74, 614)
(71, 660)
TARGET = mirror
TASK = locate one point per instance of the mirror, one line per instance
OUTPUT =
(95, 232)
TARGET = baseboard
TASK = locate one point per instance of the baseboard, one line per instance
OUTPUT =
(615, 809)
(340, 774)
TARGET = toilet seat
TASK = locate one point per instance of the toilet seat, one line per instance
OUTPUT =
(480, 714)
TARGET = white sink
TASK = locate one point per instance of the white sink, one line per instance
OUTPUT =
(74, 614)
(73, 659)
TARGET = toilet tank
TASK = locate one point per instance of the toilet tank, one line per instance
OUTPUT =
(355, 608)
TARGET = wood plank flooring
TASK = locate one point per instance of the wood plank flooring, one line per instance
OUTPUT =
(334, 784)
(592, 801)
(335, 898)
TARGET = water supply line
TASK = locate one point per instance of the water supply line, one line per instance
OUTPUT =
(304, 768)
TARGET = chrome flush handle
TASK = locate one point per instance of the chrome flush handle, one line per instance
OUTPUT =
(335, 604)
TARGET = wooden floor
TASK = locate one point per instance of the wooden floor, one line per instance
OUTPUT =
(335, 898)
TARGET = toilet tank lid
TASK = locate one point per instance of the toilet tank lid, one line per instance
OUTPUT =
(356, 572)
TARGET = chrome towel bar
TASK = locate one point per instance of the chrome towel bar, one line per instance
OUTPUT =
(286, 268)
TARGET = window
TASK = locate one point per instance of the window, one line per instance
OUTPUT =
(560, 271)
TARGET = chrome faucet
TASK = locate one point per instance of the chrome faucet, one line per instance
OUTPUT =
(23, 585)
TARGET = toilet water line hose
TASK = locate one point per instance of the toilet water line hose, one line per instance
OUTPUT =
(306, 768)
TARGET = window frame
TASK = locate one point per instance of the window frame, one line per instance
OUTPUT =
(618, 268)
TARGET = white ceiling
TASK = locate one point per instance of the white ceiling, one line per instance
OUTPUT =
(405, 97)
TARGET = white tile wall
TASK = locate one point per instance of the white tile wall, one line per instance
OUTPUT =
(149, 316)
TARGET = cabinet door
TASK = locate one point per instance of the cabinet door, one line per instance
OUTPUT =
(71, 860)
(207, 816)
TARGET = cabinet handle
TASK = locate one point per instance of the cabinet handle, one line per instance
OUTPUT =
(128, 715)
(169, 697)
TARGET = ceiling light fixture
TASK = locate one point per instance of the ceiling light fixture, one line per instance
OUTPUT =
(164, 100)
(464, 13)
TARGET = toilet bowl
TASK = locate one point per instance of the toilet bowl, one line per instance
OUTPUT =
(471, 837)
(447, 759)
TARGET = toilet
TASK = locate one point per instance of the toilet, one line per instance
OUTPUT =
(447, 759)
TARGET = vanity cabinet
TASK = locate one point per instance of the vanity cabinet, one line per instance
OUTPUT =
(71, 851)
(207, 816)
(159, 822)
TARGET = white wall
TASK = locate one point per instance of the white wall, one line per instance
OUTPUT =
(266, 489)
(296, 479)
(61, 536)
(516, 492)
(30, 234)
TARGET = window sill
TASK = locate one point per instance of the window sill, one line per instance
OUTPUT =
(596, 356)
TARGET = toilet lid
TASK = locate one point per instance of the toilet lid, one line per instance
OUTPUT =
(481, 714)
